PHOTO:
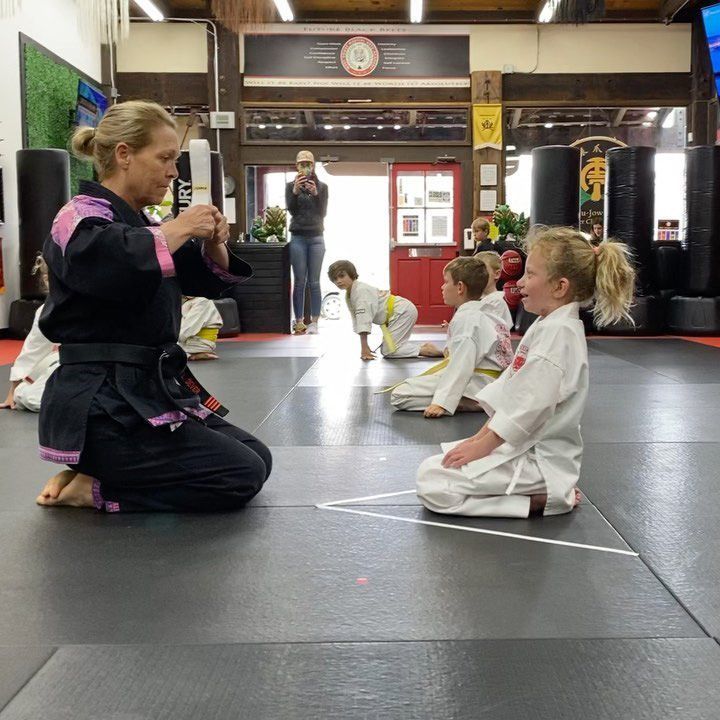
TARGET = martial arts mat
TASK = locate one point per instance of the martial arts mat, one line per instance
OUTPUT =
(545, 679)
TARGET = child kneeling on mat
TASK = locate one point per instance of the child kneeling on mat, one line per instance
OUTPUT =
(526, 458)
(199, 328)
(479, 349)
(395, 315)
(493, 300)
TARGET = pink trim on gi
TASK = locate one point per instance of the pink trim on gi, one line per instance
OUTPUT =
(167, 418)
(64, 457)
(199, 412)
(73, 213)
(163, 252)
(99, 502)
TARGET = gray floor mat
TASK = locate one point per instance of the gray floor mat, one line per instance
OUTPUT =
(294, 575)
(493, 680)
(356, 416)
(664, 500)
(17, 666)
(652, 413)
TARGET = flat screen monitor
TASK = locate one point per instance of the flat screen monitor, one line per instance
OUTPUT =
(91, 105)
(711, 18)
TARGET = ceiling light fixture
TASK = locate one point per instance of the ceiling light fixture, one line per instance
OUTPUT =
(284, 9)
(150, 9)
(548, 125)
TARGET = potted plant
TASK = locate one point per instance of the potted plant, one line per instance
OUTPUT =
(270, 226)
(510, 223)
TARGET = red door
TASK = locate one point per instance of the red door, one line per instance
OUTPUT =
(425, 233)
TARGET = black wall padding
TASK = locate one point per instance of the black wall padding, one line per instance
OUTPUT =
(667, 268)
(702, 227)
(630, 206)
(182, 185)
(43, 182)
(555, 189)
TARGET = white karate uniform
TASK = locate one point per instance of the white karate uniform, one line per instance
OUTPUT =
(34, 365)
(368, 305)
(475, 340)
(198, 313)
(535, 406)
(494, 304)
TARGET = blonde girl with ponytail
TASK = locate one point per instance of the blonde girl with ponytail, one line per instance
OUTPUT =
(526, 459)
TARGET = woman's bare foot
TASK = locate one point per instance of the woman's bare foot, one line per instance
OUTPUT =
(77, 493)
(203, 356)
(54, 486)
(430, 350)
(467, 404)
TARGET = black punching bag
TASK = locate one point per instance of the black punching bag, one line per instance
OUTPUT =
(630, 206)
(555, 188)
(702, 221)
(43, 182)
(182, 187)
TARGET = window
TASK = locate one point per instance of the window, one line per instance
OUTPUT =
(425, 207)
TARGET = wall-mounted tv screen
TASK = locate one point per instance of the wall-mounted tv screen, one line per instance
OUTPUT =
(91, 105)
(711, 18)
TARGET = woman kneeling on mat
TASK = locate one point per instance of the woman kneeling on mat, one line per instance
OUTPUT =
(122, 410)
(526, 458)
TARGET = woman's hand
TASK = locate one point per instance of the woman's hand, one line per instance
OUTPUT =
(311, 187)
(298, 184)
(222, 228)
(197, 221)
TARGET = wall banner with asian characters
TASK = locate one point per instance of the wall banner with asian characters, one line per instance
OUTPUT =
(592, 177)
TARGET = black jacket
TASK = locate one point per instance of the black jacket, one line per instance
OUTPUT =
(307, 211)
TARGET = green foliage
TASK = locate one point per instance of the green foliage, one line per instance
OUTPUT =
(50, 101)
(510, 223)
(272, 223)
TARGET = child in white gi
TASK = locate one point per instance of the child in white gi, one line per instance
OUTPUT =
(199, 328)
(479, 349)
(395, 315)
(29, 374)
(493, 300)
(526, 458)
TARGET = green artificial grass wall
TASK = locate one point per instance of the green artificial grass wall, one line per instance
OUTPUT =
(50, 101)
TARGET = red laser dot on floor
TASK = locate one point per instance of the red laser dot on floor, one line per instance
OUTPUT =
(361, 581)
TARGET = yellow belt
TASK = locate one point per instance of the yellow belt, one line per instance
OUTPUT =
(441, 366)
(208, 333)
(389, 310)
(387, 335)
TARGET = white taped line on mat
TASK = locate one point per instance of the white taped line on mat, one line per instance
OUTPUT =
(516, 536)
(367, 497)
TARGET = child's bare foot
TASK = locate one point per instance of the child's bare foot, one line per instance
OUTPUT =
(77, 493)
(467, 404)
(537, 505)
(578, 497)
(54, 486)
(203, 356)
(430, 350)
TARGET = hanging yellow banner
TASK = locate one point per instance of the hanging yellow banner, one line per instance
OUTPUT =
(487, 127)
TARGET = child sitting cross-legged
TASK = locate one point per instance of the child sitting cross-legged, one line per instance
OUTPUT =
(478, 349)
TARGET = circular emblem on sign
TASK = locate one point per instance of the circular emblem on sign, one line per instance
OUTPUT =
(359, 56)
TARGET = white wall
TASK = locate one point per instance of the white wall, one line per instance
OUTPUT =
(164, 47)
(55, 26)
(596, 48)
(615, 47)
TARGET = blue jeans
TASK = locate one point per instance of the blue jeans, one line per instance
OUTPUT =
(306, 256)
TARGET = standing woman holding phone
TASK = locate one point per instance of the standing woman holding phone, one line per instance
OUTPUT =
(306, 199)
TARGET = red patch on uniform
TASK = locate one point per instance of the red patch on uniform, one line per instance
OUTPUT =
(520, 357)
